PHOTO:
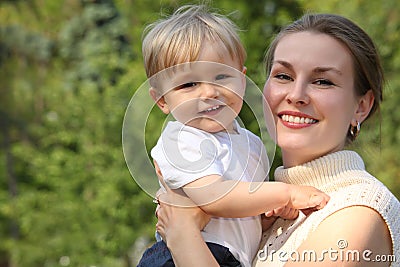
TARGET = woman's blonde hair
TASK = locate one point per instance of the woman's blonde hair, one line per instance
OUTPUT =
(179, 38)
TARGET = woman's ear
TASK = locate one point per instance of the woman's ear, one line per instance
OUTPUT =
(160, 100)
(365, 104)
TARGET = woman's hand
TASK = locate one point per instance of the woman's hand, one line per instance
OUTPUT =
(176, 213)
(179, 223)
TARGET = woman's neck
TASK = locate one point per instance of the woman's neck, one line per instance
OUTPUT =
(325, 170)
(293, 158)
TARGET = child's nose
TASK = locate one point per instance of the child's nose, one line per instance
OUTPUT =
(210, 90)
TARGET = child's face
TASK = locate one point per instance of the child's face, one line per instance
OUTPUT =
(206, 94)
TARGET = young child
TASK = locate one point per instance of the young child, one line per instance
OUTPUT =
(195, 62)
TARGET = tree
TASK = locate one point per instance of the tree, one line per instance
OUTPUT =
(76, 203)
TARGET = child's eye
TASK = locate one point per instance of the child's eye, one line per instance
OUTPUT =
(186, 85)
(221, 76)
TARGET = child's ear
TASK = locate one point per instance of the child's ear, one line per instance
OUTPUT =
(160, 100)
(244, 71)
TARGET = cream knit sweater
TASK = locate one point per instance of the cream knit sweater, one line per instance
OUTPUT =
(342, 175)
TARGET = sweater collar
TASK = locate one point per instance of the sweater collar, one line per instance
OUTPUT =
(321, 171)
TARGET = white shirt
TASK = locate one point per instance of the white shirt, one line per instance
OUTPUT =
(185, 154)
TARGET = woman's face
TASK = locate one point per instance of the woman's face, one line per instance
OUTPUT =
(311, 93)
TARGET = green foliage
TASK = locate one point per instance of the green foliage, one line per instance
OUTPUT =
(63, 111)
(68, 70)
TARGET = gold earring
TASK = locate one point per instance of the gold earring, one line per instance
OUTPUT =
(355, 130)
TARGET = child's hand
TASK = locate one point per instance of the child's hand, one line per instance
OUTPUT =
(307, 198)
(269, 217)
(284, 212)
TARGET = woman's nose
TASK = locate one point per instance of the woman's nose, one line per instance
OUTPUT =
(298, 93)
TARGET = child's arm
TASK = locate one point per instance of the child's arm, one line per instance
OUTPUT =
(234, 199)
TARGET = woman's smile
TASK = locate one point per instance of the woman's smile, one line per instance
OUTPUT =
(296, 120)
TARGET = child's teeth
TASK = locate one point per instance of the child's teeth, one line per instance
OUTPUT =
(213, 108)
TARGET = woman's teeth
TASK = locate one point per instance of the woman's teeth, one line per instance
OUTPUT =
(295, 119)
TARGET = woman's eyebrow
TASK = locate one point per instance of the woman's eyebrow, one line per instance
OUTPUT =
(326, 69)
(315, 70)
(283, 63)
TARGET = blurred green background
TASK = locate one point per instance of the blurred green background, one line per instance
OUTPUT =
(67, 72)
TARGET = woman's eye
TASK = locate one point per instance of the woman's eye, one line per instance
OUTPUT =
(324, 82)
(282, 76)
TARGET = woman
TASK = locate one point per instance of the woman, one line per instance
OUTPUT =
(325, 79)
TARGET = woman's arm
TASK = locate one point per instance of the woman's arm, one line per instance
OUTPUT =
(179, 223)
(354, 236)
(180, 229)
